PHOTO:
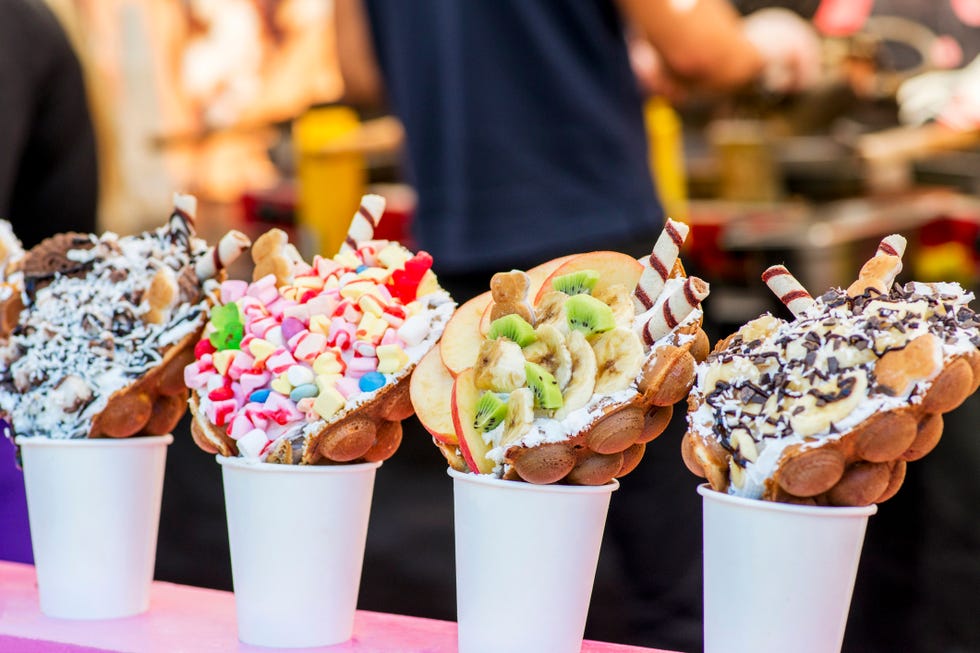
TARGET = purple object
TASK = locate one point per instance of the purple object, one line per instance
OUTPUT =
(15, 532)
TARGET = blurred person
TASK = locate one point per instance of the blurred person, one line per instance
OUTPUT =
(48, 176)
(525, 140)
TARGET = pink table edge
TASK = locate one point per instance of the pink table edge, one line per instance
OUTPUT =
(183, 618)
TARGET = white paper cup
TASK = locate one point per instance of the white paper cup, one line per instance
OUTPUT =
(778, 577)
(94, 508)
(526, 557)
(297, 537)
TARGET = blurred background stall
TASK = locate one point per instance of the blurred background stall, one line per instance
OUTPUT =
(243, 103)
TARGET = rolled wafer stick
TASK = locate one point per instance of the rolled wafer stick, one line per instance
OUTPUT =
(893, 245)
(229, 248)
(181, 224)
(789, 290)
(657, 266)
(676, 308)
(364, 222)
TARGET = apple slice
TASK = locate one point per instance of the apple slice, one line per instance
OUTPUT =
(460, 344)
(471, 444)
(431, 390)
(613, 268)
(537, 276)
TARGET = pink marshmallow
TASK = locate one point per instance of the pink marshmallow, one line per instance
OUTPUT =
(305, 406)
(278, 305)
(215, 381)
(232, 290)
(364, 348)
(252, 381)
(358, 367)
(281, 410)
(238, 393)
(300, 311)
(347, 386)
(260, 327)
(309, 345)
(251, 307)
(240, 425)
(194, 378)
(241, 363)
(325, 266)
(390, 337)
(274, 336)
(323, 304)
(220, 412)
(205, 362)
(280, 361)
(256, 413)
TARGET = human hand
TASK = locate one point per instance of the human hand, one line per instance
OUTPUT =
(790, 47)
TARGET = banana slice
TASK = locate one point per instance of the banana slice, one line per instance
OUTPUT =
(619, 358)
(816, 419)
(551, 310)
(582, 384)
(759, 328)
(549, 351)
(520, 415)
(500, 366)
(620, 299)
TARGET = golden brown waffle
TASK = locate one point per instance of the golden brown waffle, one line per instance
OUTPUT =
(612, 443)
(913, 374)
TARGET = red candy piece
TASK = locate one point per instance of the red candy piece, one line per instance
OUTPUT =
(404, 284)
(220, 394)
(203, 347)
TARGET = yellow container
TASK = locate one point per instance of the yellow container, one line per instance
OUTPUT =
(666, 137)
(331, 173)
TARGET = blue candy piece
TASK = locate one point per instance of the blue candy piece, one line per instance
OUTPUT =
(371, 381)
(361, 268)
(259, 396)
(304, 391)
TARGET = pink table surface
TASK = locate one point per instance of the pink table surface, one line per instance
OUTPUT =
(197, 620)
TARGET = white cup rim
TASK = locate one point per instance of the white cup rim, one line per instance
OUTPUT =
(238, 462)
(709, 494)
(522, 486)
(95, 443)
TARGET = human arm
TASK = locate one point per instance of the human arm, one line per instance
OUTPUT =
(363, 86)
(704, 44)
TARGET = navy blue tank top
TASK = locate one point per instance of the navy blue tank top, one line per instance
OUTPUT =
(525, 134)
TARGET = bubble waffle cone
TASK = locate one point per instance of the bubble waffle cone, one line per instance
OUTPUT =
(829, 408)
(564, 373)
(107, 326)
(310, 363)
(11, 279)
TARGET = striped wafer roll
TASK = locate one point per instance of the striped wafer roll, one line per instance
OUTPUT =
(790, 291)
(364, 222)
(181, 224)
(893, 245)
(657, 266)
(676, 308)
(229, 248)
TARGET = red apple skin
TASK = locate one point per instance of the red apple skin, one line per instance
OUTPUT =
(613, 268)
(461, 338)
(471, 444)
(431, 391)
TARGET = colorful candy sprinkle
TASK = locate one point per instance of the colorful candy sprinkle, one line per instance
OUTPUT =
(371, 382)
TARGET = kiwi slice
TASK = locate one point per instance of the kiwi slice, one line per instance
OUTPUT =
(547, 394)
(513, 327)
(589, 315)
(491, 411)
(576, 283)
